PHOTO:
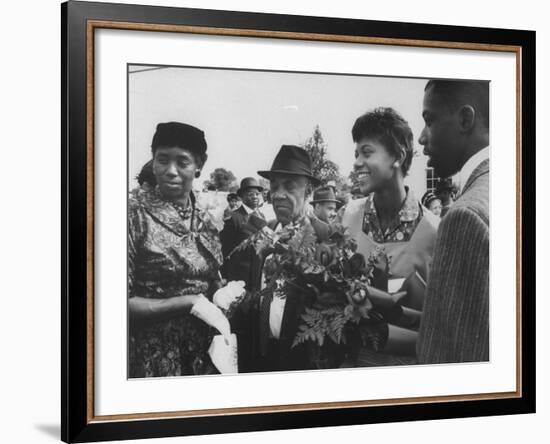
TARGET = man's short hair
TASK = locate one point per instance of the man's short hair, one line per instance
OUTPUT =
(388, 127)
(455, 93)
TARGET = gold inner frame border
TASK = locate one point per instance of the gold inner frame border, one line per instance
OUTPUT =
(92, 25)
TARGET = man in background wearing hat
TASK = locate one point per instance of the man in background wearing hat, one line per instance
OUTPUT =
(325, 204)
(278, 315)
(243, 223)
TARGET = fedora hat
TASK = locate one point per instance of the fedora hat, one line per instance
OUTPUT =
(324, 194)
(249, 182)
(292, 160)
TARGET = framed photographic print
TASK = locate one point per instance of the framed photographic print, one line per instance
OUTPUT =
(275, 221)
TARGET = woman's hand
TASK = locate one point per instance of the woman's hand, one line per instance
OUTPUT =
(207, 312)
(229, 294)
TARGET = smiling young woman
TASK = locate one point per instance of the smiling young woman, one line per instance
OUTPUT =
(392, 218)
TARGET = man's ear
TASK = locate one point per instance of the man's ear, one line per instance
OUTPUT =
(466, 118)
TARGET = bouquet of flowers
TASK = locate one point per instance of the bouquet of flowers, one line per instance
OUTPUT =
(330, 278)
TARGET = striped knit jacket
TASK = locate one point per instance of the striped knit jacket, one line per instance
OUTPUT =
(455, 321)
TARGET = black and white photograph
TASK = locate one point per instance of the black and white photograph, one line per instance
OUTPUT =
(299, 221)
(275, 222)
(282, 221)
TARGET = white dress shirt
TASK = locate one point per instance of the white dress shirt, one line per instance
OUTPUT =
(277, 307)
(469, 167)
(276, 311)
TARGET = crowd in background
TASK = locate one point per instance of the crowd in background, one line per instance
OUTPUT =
(183, 250)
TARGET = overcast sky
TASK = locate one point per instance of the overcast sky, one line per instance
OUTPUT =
(248, 115)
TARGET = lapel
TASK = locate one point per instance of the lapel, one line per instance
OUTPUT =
(239, 218)
(241, 214)
(293, 306)
(483, 168)
(291, 315)
(248, 224)
(273, 224)
(322, 229)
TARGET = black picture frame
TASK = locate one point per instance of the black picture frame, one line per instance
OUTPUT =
(77, 422)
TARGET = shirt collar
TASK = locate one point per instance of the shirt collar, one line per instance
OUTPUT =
(471, 164)
(247, 209)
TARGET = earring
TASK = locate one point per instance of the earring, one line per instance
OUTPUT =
(197, 173)
(396, 164)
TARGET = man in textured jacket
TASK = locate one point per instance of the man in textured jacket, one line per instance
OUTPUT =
(455, 320)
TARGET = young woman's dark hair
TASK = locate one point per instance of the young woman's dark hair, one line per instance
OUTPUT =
(390, 129)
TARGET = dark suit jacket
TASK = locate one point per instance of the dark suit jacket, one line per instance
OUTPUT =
(455, 320)
(280, 355)
(236, 229)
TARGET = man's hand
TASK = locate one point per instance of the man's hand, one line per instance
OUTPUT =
(384, 300)
(415, 286)
(387, 304)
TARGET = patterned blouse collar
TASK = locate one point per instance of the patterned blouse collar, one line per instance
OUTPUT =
(166, 213)
(401, 227)
(409, 210)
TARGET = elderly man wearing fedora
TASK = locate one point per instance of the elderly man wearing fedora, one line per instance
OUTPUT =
(276, 317)
(325, 204)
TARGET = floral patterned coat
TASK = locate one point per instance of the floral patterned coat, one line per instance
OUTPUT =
(169, 255)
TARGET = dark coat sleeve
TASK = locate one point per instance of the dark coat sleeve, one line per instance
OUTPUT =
(242, 264)
(455, 321)
(228, 235)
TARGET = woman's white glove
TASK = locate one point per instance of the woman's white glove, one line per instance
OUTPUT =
(207, 312)
(225, 296)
